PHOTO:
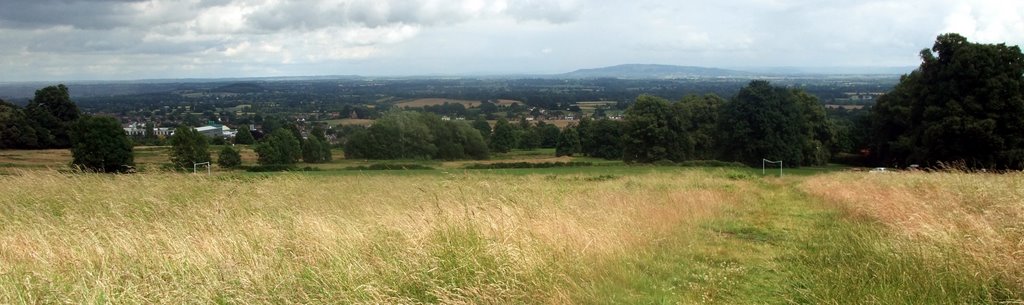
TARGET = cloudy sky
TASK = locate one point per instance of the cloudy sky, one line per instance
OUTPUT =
(54, 40)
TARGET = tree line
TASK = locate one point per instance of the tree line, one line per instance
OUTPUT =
(43, 123)
(761, 121)
(965, 103)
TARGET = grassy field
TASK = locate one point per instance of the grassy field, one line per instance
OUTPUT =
(602, 234)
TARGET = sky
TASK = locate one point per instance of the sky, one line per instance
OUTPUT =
(66, 40)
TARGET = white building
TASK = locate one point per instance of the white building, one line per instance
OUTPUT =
(139, 130)
(217, 130)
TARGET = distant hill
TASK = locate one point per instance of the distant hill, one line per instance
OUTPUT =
(638, 71)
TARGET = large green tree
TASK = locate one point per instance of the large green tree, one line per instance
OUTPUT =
(653, 132)
(568, 142)
(819, 133)
(602, 138)
(763, 122)
(54, 112)
(229, 157)
(188, 147)
(279, 148)
(699, 117)
(504, 137)
(244, 136)
(548, 134)
(315, 150)
(99, 144)
(481, 125)
(964, 103)
(16, 130)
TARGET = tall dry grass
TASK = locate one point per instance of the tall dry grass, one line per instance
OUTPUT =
(466, 238)
(978, 216)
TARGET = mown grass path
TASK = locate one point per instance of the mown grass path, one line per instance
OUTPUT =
(780, 246)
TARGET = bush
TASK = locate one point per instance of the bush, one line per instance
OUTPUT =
(229, 157)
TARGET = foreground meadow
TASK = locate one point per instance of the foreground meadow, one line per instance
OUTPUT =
(974, 220)
(667, 236)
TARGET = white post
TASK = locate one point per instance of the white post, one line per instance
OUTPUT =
(763, 161)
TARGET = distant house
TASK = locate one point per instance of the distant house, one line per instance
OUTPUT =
(139, 130)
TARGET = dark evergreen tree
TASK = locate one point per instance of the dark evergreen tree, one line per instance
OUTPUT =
(188, 147)
(99, 144)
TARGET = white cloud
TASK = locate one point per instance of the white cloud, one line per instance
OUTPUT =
(988, 21)
(103, 39)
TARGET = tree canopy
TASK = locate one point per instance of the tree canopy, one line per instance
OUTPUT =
(99, 144)
(601, 138)
(54, 111)
(504, 138)
(188, 146)
(244, 136)
(965, 104)
(415, 135)
(652, 132)
(768, 122)
(279, 148)
(568, 142)
(229, 157)
(43, 123)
